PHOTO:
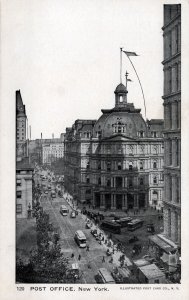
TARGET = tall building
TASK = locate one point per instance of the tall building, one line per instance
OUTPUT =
(24, 171)
(116, 162)
(20, 127)
(172, 124)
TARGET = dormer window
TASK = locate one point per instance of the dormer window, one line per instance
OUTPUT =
(121, 99)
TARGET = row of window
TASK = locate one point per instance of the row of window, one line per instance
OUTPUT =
(172, 79)
(172, 154)
(172, 42)
(172, 115)
(19, 209)
(120, 165)
(172, 189)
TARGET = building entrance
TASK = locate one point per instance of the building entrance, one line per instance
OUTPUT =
(107, 201)
(130, 201)
(118, 201)
(141, 201)
(97, 199)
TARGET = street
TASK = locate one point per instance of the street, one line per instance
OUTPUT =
(90, 260)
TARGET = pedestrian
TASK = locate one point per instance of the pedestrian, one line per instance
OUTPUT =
(111, 260)
(103, 259)
(72, 256)
(79, 257)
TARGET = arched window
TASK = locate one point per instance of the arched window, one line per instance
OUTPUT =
(130, 182)
(88, 165)
(108, 183)
(119, 165)
(99, 165)
(130, 166)
(99, 181)
(141, 165)
(87, 179)
(154, 165)
(108, 164)
(155, 180)
(141, 181)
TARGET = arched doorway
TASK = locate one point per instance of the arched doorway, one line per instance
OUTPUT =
(118, 201)
(107, 201)
(130, 201)
(97, 199)
(141, 200)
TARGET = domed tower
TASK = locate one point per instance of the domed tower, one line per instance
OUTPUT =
(120, 96)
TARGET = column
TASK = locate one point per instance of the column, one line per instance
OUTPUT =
(124, 201)
(146, 200)
(174, 189)
(174, 152)
(179, 229)
(179, 114)
(135, 201)
(125, 179)
(113, 201)
(173, 227)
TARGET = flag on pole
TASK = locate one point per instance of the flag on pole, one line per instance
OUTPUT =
(129, 79)
(130, 53)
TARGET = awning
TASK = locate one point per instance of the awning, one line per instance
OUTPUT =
(161, 243)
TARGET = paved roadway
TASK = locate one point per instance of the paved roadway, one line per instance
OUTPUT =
(90, 260)
(67, 227)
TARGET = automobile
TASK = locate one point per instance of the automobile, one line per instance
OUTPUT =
(46, 192)
(150, 228)
(73, 214)
(133, 239)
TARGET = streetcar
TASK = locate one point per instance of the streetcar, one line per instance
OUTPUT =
(123, 222)
(135, 224)
(64, 210)
(80, 239)
(111, 226)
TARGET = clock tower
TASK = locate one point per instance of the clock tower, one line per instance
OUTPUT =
(20, 127)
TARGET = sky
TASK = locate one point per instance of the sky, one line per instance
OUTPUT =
(65, 58)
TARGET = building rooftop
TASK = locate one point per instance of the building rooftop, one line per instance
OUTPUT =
(120, 89)
(151, 271)
(141, 262)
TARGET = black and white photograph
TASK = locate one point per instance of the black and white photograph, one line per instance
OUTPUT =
(96, 122)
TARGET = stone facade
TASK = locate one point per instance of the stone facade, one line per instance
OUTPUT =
(24, 171)
(24, 177)
(116, 162)
(172, 117)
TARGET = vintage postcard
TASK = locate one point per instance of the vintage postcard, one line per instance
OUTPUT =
(94, 149)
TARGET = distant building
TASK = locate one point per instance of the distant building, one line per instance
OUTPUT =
(20, 127)
(52, 152)
(36, 148)
(116, 162)
(172, 125)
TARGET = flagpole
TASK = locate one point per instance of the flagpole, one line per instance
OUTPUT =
(139, 81)
(121, 65)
